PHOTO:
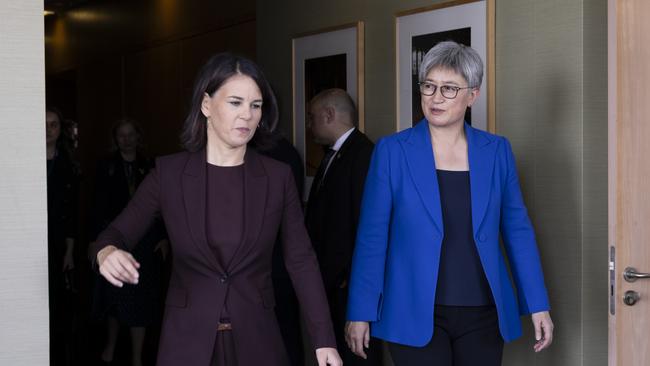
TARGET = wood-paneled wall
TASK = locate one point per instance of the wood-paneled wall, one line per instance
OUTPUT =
(98, 77)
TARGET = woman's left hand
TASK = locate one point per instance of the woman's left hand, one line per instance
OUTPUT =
(328, 356)
(543, 330)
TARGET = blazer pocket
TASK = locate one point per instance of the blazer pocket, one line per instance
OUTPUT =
(176, 297)
(268, 297)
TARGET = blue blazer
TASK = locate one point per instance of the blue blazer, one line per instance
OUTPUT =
(396, 258)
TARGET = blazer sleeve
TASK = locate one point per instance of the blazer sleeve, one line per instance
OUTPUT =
(134, 221)
(368, 261)
(302, 266)
(519, 240)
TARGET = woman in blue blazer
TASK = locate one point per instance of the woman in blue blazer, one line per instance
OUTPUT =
(428, 274)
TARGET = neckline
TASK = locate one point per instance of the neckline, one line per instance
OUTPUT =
(452, 171)
(224, 166)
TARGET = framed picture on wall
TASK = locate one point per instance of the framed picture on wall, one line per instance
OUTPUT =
(324, 59)
(469, 22)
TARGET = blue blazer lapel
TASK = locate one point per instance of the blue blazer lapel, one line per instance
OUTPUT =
(422, 167)
(481, 152)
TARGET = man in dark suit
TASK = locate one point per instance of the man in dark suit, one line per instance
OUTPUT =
(334, 203)
(286, 303)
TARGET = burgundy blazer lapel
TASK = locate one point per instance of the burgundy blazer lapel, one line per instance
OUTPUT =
(255, 191)
(194, 196)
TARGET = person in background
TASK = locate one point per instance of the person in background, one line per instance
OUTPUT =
(223, 205)
(335, 201)
(286, 302)
(135, 307)
(62, 201)
(428, 273)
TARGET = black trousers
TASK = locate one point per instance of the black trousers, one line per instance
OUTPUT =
(462, 336)
(223, 353)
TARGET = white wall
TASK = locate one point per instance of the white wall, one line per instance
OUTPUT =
(23, 218)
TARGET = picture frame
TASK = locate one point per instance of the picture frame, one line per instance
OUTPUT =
(323, 59)
(417, 30)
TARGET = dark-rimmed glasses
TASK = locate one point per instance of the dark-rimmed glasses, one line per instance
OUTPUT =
(447, 91)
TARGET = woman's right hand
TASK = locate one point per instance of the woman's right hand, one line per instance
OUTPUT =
(357, 336)
(117, 266)
(328, 356)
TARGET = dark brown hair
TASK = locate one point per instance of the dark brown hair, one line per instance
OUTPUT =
(211, 77)
(65, 142)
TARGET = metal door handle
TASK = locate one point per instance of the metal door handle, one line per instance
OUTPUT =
(630, 274)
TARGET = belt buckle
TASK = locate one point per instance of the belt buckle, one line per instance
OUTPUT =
(224, 327)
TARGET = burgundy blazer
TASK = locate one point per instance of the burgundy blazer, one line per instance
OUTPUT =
(199, 286)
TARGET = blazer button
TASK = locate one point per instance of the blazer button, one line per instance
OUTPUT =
(223, 279)
(482, 237)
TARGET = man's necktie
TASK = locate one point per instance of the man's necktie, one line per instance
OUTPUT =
(320, 174)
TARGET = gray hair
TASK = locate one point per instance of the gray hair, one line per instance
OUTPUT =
(457, 57)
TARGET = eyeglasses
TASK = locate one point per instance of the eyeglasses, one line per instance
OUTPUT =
(447, 91)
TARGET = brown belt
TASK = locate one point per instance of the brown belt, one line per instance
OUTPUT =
(224, 326)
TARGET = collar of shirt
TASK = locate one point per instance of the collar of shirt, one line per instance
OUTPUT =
(336, 148)
(339, 142)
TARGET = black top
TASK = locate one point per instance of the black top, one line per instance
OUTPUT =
(225, 210)
(461, 279)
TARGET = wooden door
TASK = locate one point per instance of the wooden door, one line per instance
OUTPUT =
(629, 180)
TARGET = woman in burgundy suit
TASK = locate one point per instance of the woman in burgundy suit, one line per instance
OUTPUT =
(223, 205)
